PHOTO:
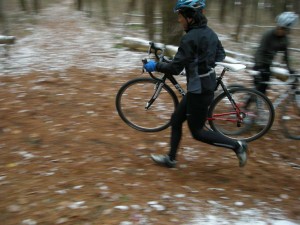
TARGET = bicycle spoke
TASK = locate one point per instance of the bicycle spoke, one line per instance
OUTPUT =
(290, 119)
(253, 117)
(133, 101)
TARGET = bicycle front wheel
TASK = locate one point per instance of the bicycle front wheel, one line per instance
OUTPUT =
(290, 117)
(134, 96)
(252, 118)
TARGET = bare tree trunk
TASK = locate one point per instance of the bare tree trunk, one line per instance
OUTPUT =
(130, 7)
(171, 32)
(3, 22)
(1, 11)
(104, 9)
(222, 14)
(253, 19)
(149, 8)
(79, 4)
(23, 5)
(297, 6)
(89, 8)
(279, 7)
(284, 6)
(241, 20)
(36, 6)
(254, 10)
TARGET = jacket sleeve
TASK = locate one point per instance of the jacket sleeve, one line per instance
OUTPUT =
(183, 55)
(286, 56)
(220, 54)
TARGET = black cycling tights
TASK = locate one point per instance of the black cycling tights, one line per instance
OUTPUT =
(194, 108)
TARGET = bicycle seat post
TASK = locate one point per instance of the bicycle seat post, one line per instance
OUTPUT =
(219, 79)
(223, 72)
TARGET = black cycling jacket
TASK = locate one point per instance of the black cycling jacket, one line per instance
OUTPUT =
(198, 51)
(270, 44)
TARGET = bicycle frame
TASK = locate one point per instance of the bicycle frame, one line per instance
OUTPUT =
(229, 114)
(292, 84)
(159, 53)
(236, 110)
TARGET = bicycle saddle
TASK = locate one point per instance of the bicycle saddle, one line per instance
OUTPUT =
(232, 66)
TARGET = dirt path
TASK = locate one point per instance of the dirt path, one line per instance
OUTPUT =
(67, 158)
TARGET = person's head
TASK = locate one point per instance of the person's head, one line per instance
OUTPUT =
(285, 21)
(190, 13)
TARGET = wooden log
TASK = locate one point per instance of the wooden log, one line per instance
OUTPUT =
(143, 45)
(232, 57)
(136, 44)
(8, 40)
(170, 50)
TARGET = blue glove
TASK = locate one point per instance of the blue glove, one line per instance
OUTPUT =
(150, 66)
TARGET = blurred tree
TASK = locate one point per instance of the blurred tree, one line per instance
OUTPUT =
(254, 11)
(3, 22)
(222, 15)
(104, 10)
(241, 19)
(253, 19)
(88, 8)
(279, 6)
(171, 32)
(130, 8)
(297, 6)
(1, 10)
(23, 5)
(78, 4)
(132, 4)
(35, 5)
(149, 9)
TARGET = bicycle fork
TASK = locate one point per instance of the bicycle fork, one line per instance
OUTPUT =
(158, 87)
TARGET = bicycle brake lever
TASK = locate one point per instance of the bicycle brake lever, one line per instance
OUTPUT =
(144, 62)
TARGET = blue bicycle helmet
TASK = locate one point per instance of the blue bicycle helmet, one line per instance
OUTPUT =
(287, 19)
(192, 4)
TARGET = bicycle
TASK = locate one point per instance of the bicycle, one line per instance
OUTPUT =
(289, 117)
(147, 103)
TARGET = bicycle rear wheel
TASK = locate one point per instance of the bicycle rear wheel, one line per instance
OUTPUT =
(132, 99)
(290, 117)
(253, 118)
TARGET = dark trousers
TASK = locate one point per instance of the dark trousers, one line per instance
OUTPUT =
(194, 108)
(264, 76)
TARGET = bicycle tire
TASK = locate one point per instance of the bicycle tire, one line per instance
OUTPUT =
(257, 109)
(290, 118)
(131, 100)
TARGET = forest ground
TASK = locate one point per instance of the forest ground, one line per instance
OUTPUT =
(67, 158)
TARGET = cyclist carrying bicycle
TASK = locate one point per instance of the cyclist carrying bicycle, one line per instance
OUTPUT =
(273, 41)
(199, 49)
